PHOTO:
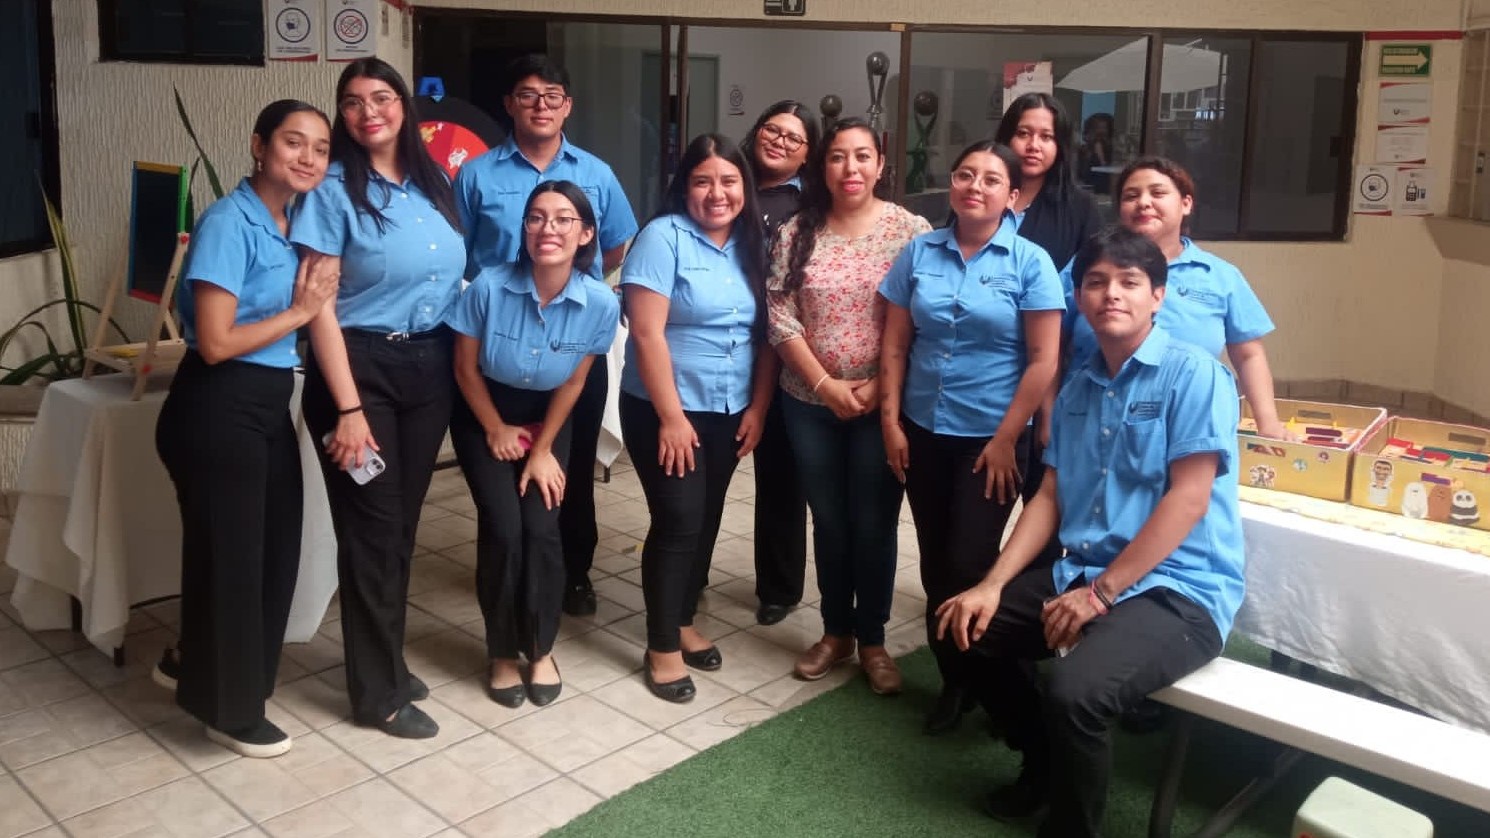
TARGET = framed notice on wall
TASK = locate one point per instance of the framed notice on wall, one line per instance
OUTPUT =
(293, 29)
(351, 31)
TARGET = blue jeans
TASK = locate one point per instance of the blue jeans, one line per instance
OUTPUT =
(855, 502)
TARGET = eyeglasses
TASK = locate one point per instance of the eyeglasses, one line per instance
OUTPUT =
(773, 133)
(560, 224)
(378, 101)
(967, 177)
(553, 100)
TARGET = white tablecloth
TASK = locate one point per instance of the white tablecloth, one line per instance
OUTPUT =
(1404, 617)
(97, 517)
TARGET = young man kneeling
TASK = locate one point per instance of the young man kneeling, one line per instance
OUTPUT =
(1142, 493)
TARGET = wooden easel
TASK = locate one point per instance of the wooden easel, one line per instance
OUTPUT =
(145, 357)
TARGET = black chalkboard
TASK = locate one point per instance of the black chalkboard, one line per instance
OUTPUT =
(157, 215)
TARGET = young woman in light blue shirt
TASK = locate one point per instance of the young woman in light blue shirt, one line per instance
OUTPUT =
(226, 437)
(526, 337)
(971, 343)
(379, 374)
(694, 392)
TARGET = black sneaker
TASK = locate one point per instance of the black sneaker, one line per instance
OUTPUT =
(168, 670)
(261, 741)
(1024, 798)
(579, 598)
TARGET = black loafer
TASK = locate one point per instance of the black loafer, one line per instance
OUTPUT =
(707, 660)
(680, 691)
(579, 599)
(543, 695)
(946, 714)
(418, 690)
(769, 614)
(409, 723)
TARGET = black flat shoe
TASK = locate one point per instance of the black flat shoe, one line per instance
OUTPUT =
(579, 599)
(707, 660)
(680, 691)
(512, 696)
(769, 614)
(946, 714)
(543, 695)
(418, 690)
(409, 723)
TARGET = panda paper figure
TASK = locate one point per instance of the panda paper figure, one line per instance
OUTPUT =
(1415, 500)
(1466, 509)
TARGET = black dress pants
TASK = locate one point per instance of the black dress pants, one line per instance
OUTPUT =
(780, 515)
(519, 556)
(406, 390)
(685, 514)
(1146, 642)
(958, 531)
(226, 439)
(577, 515)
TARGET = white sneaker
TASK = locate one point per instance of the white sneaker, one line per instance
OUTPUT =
(262, 741)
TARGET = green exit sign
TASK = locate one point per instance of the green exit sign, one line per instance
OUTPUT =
(1406, 60)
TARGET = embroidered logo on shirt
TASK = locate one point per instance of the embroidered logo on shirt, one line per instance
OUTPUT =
(1199, 295)
(1000, 283)
(1144, 410)
(567, 346)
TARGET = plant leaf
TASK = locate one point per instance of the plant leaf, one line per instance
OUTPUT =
(191, 132)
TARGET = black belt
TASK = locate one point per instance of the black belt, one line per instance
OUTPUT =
(399, 337)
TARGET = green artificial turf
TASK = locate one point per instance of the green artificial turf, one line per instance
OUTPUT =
(851, 763)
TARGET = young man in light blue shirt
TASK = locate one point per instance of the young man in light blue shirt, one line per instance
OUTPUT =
(490, 193)
(1142, 492)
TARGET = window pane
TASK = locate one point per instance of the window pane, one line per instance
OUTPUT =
(228, 28)
(1203, 123)
(1098, 78)
(1295, 179)
(22, 217)
(148, 27)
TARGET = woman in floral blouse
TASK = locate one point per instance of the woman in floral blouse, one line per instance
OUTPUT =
(826, 321)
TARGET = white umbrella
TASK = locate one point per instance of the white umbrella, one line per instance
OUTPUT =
(1185, 68)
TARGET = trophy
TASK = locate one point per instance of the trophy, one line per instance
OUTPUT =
(923, 106)
(878, 67)
(830, 107)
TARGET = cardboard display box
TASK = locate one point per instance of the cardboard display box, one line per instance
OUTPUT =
(1424, 469)
(1319, 467)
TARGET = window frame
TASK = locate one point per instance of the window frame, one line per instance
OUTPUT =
(51, 167)
(108, 43)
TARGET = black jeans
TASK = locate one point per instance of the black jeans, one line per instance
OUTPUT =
(780, 514)
(226, 439)
(685, 514)
(406, 389)
(519, 557)
(958, 531)
(1146, 642)
(577, 515)
(855, 502)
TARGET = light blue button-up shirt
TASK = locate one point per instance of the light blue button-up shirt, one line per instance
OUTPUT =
(491, 191)
(1209, 304)
(237, 247)
(403, 279)
(1112, 442)
(710, 317)
(968, 351)
(529, 346)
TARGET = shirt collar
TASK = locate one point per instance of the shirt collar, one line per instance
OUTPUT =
(339, 171)
(1149, 353)
(683, 221)
(1003, 239)
(520, 281)
(509, 148)
(1193, 254)
(248, 202)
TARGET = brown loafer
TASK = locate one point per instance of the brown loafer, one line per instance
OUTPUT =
(884, 675)
(823, 656)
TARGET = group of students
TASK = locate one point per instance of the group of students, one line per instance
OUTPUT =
(777, 305)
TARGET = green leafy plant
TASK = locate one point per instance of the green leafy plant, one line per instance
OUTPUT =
(203, 161)
(60, 360)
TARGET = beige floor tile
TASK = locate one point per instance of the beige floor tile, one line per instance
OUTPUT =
(419, 624)
(457, 504)
(48, 832)
(634, 628)
(316, 820)
(445, 786)
(615, 563)
(789, 691)
(262, 788)
(19, 813)
(575, 732)
(435, 571)
(720, 723)
(59, 728)
(633, 764)
(314, 702)
(596, 658)
(463, 555)
(904, 639)
(17, 648)
(60, 641)
(550, 805)
(741, 590)
(377, 808)
(631, 696)
(140, 655)
(143, 701)
(84, 780)
(315, 655)
(503, 766)
(186, 739)
(801, 628)
(35, 684)
(727, 609)
(443, 533)
(468, 698)
(187, 807)
(750, 661)
(446, 656)
(455, 604)
(385, 753)
(738, 518)
(626, 594)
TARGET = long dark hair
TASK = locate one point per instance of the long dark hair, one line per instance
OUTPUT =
(585, 256)
(418, 166)
(817, 201)
(750, 237)
(809, 127)
(1061, 178)
(997, 149)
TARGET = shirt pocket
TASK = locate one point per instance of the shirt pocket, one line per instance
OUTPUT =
(1140, 449)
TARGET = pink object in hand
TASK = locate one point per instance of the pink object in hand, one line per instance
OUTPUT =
(532, 430)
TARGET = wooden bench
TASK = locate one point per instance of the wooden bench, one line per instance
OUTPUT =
(1451, 762)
